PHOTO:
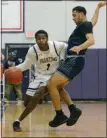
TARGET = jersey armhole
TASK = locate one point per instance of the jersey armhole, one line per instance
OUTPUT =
(35, 52)
(55, 49)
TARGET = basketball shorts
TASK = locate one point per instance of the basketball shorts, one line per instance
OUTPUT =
(39, 81)
(71, 67)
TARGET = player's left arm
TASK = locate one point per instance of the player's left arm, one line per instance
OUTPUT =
(94, 19)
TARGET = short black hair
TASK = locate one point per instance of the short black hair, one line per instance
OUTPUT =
(41, 32)
(80, 9)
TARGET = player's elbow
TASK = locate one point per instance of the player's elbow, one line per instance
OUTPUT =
(94, 23)
(92, 41)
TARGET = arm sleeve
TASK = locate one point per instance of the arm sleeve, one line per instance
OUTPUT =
(86, 28)
(61, 48)
(29, 60)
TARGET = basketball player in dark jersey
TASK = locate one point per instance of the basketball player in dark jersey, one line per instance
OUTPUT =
(78, 42)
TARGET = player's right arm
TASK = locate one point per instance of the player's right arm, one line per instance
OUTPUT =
(29, 60)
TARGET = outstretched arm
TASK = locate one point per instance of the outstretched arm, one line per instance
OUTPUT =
(96, 13)
(29, 60)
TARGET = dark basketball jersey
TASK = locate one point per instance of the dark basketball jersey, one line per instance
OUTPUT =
(79, 36)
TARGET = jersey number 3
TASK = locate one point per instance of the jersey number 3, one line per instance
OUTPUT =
(48, 65)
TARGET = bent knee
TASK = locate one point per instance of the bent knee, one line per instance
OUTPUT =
(25, 103)
(51, 84)
(60, 89)
(42, 89)
(40, 93)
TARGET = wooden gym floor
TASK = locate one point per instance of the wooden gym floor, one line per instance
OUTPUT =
(92, 123)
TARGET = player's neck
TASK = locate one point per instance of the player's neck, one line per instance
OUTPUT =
(84, 19)
(46, 48)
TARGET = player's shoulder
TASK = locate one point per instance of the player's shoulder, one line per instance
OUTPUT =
(58, 43)
(31, 49)
(86, 24)
(53, 43)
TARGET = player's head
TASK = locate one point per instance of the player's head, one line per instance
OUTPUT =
(41, 37)
(79, 14)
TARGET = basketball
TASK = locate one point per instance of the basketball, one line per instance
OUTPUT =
(13, 75)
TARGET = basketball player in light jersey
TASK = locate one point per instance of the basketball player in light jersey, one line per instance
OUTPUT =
(46, 55)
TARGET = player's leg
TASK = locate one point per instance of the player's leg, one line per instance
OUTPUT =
(31, 90)
(67, 71)
(74, 111)
(27, 99)
(40, 80)
(65, 96)
(33, 95)
(29, 108)
(56, 80)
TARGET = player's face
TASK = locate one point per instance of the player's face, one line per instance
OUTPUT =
(42, 40)
(77, 17)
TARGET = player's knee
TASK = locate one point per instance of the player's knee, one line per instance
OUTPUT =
(50, 84)
(25, 103)
(27, 99)
(42, 89)
(60, 89)
(40, 93)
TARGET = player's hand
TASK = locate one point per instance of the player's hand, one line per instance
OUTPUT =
(12, 67)
(76, 49)
(102, 4)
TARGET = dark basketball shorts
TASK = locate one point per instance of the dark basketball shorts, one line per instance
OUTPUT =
(71, 67)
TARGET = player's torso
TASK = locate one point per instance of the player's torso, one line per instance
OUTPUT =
(47, 61)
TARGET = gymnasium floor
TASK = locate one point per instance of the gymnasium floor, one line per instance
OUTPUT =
(92, 123)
